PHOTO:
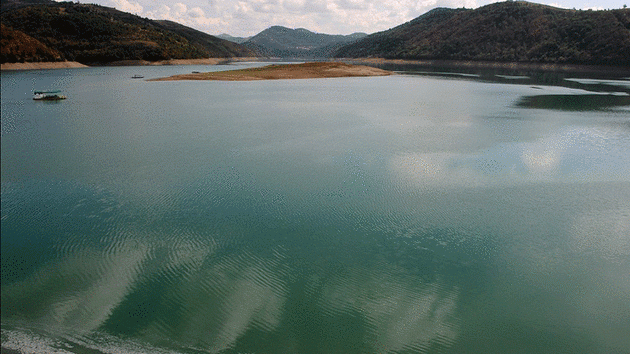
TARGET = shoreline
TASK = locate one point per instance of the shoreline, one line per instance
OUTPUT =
(374, 62)
(203, 61)
(42, 65)
(74, 64)
(470, 64)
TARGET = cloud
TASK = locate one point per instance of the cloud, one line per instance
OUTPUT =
(194, 17)
(127, 6)
(248, 17)
(179, 9)
(555, 4)
(196, 12)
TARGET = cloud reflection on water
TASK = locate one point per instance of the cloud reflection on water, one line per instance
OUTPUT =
(579, 154)
(212, 300)
(401, 315)
(81, 292)
(78, 293)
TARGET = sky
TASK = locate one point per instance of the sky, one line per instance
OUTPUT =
(244, 18)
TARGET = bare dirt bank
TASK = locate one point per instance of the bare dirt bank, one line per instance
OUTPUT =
(204, 61)
(286, 71)
(42, 65)
(459, 64)
(74, 64)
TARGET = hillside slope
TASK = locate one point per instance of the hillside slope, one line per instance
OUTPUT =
(278, 41)
(212, 43)
(239, 40)
(18, 47)
(96, 34)
(508, 31)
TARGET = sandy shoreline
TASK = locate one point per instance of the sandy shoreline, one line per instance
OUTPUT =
(286, 71)
(358, 61)
(42, 65)
(489, 65)
(204, 61)
(74, 64)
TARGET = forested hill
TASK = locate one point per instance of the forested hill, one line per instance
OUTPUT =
(97, 34)
(278, 41)
(508, 31)
(18, 47)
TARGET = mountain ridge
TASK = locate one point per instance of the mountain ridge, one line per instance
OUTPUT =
(510, 31)
(284, 42)
(514, 31)
(93, 34)
(239, 40)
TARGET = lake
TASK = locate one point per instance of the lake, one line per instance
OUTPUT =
(426, 212)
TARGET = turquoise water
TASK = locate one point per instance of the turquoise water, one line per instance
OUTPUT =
(422, 213)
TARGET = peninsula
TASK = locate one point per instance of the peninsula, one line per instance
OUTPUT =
(285, 71)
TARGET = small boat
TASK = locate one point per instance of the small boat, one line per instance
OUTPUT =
(195, 72)
(48, 95)
(137, 76)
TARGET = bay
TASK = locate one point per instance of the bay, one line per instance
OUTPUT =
(432, 212)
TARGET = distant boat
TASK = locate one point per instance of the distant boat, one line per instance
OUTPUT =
(195, 72)
(48, 95)
(137, 77)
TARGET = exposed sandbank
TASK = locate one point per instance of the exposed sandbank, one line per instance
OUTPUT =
(286, 71)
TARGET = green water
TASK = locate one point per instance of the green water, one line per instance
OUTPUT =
(418, 213)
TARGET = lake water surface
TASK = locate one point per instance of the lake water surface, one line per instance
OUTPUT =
(417, 213)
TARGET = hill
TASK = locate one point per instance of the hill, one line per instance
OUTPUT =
(212, 43)
(7, 5)
(278, 41)
(93, 34)
(515, 31)
(238, 40)
(17, 46)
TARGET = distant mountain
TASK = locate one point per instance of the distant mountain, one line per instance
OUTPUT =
(212, 43)
(507, 31)
(278, 41)
(96, 34)
(239, 40)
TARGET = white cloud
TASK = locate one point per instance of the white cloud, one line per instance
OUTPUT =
(179, 9)
(127, 6)
(248, 17)
(555, 4)
(196, 12)
(194, 17)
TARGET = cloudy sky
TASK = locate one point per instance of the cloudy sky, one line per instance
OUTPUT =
(248, 17)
